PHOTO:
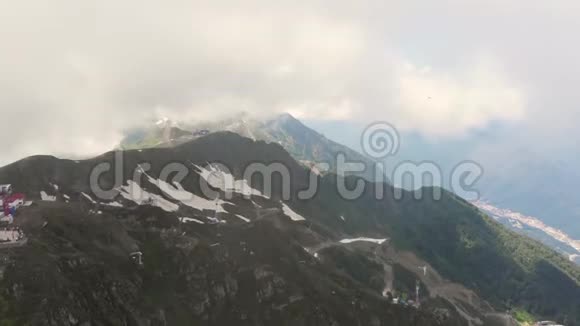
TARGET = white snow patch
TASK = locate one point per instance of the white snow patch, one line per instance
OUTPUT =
(177, 192)
(55, 186)
(133, 192)
(66, 196)
(190, 219)
(292, 214)
(215, 220)
(225, 181)
(114, 204)
(89, 198)
(342, 218)
(245, 219)
(362, 239)
(46, 197)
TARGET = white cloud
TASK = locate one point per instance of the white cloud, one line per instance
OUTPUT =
(77, 73)
(450, 104)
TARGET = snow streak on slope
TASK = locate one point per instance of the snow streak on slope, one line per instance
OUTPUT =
(114, 204)
(245, 219)
(88, 197)
(138, 195)
(292, 214)
(46, 197)
(226, 182)
(187, 198)
(362, 239)
(190, 219)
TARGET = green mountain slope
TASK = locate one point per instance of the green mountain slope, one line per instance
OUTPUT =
(304, 144)
(474, 267)
(465, 246)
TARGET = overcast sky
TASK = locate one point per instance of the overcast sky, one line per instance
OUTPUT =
(75, 74)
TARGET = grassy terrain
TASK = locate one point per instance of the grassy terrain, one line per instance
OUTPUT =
(523, 317)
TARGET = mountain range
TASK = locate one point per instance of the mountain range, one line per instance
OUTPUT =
(304, 144)
(516, 184)
(161, 251)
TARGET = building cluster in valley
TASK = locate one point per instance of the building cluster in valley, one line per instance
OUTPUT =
(10, 203)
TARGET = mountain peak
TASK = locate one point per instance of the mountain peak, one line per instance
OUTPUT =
(287, 120)
(286, 117)
(302, 142)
